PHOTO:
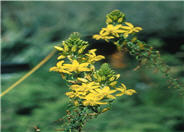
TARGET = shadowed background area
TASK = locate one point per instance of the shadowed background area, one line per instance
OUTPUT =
(31, 29)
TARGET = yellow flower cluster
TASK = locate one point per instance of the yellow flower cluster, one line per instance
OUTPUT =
(68, 68)
(88, 87)
(93, 93)
(115, 31)
(75, 66)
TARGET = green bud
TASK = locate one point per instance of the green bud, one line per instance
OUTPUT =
(74, 48)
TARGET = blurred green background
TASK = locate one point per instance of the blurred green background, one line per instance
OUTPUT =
(29, 30)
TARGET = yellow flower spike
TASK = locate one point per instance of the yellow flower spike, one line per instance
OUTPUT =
(113, 83)
(58, 48)
(60, 57)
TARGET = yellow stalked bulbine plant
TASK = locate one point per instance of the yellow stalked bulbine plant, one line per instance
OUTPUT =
(91, 91)
(123, 34)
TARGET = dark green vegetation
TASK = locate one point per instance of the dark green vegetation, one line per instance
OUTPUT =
(30, 30)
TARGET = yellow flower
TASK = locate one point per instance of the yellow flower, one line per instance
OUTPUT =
(111, 29)
(124, 90)
(105, 92)
(76, 67)
(85, 87)
(109, 32)
(92, 56)
(82, 90)
(59, 68)
(93, 99)
(129, 29)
